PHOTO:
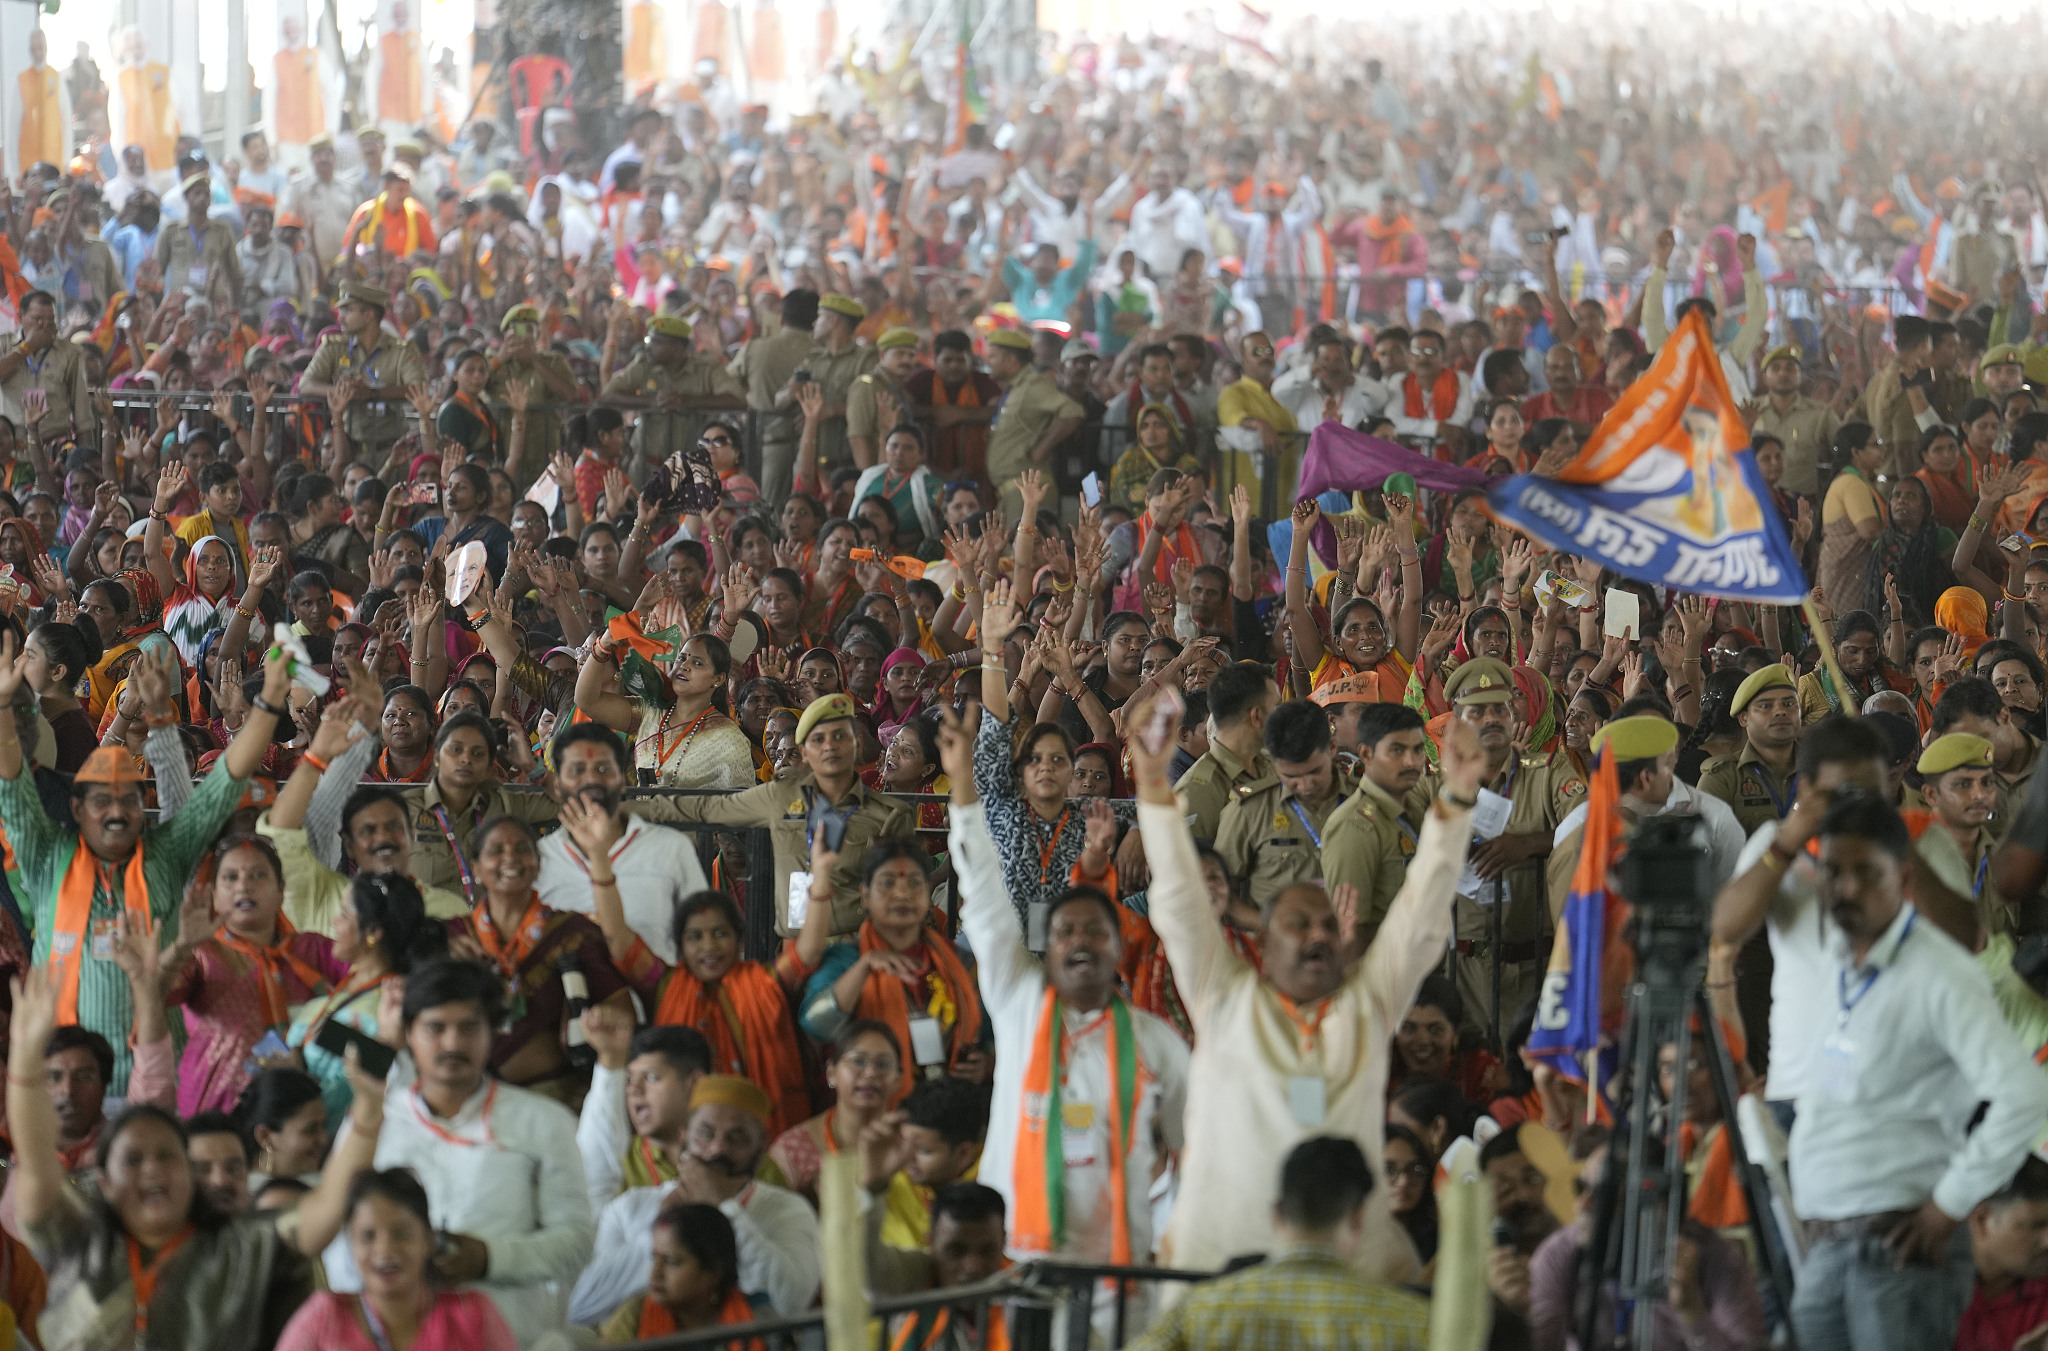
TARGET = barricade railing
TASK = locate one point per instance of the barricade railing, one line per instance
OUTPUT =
(1031, 1295)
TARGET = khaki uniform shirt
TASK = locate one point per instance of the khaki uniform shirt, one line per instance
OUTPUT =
(657, 434)
(1808, 431)
(1543, 789)
(1367, 843)
(763, 368)
(207, 267)
(783, 807)
(1750, 787)
(1206, 789)
(1031, 405)
(60, 374)
(542, 436)
(327, 208)
(389, 363)
(1272, 839)
(863, 410)
(1884, 405)
(2012, 792)
(433, 851)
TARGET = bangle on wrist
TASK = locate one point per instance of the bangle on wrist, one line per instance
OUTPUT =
(308, 758)
(609, 880)
(266, 706)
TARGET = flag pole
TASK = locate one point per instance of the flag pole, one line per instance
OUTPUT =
(1827, 655)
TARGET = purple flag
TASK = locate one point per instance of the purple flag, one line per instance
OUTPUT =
(1353, 462)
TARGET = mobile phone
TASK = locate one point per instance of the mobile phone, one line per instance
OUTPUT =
(835, 831)
(375, 1057)
(2017, 542)
(801, 375)
(1091, 490)
(268, 1047)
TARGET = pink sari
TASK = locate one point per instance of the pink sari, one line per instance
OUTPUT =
(224, 1017)
(461, 1320)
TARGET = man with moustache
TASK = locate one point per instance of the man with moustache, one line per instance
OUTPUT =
(656, 865)
(1302, 1047)
(1087, 1088)
(1369, 839)
(716, 1157)
(503, 1178)
(114, 865)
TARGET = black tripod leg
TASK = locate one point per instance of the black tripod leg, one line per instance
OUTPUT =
(1755, 1188)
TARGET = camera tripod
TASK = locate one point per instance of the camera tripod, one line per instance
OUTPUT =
(1637, 1209)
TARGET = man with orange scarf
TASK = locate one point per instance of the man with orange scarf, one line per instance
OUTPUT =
(392, 221)
(1082, 1077)
(114, 865)
(1390, 252)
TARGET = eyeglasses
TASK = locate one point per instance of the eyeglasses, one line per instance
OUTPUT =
(1425, 351)
(714, 440)
(1414, 1172)
(1259, 351)
(860, 1062)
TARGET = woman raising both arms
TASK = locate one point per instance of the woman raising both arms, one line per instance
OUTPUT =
(682, 734)
(1362, 641)
(741, 1007)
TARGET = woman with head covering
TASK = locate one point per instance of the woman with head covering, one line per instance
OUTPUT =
(1963, 613)
(1911, 555)
(900, 698)
(1157, 445)
(1950, 472)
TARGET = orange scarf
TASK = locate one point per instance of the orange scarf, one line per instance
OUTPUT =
(510, 953)
(1040, 1226)
(74, 913)
(1181, 544)
(882, 997)
(996, 1338)
(1443, 396)
(657, 1321)
(1717, 1198)
(390, 775)
(407, 226)
(270, 963)
(746, 1020)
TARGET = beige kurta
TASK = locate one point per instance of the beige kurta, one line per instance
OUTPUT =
(1250, 1053)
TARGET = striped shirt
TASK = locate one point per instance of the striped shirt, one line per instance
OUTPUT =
(169, 852)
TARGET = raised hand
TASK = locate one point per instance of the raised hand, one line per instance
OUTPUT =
(170, 484)
(740, 588)
(1695, 617)
(1517, 560)
(1032, 485)
(1100, 819)
(594, 829)
(774, 663)
(1240, 504)
(35, 402)
(1344, 904)
(343, 393)
(519, 396)
(998, 615)
(49, 578)
(1158, 598)
(266, 565)
(563, 468)
(421, 396)
(610, 1033)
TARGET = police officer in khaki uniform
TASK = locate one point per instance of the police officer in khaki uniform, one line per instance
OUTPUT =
(1960, 784)
(441, 827)
(670, 383)
(384, 363)
(834, 364)
(1369, 839)
(826, 796)
(1760, 784)
(521, 360)
(1241, 698)
(1271, 835)
(37, 358)
(1034, 418)
(763, 367)
(897, 359)
(1502, 920)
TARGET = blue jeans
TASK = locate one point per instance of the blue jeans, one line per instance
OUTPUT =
(1852, 1297)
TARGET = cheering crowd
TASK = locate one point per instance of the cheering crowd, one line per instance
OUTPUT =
(1158, 870)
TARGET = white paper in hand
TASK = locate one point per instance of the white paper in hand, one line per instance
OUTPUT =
(1489, 819)
(1624, 612)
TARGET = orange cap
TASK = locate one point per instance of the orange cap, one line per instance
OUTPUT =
(110, 764)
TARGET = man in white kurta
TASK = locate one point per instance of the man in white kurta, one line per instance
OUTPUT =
(1013, 986)
(1268, 1069)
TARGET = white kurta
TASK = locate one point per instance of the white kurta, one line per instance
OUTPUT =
(1012, 992)
(509, 1175)
(656, 866)
(1256, 1078)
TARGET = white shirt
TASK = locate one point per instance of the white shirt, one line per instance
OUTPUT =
(1912, 1041)
(1162, 229)
(778, 1242)
(1424, 428)
(1724, 832)
(656, 866)
(1802, 990)
(602, 1133)
(1013, 988)
(1301, 394)
(509, 1176)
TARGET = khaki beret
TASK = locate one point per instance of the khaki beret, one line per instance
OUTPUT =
(826, 708)
(1772, 677)
(670, 326)
(361, 293)
(519, 314)
(896, 337)
(845, 305)
(1482, 680)
(1957, 750)
(1011, 338)
(1640, 738)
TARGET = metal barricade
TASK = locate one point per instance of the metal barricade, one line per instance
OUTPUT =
(1032, 1293)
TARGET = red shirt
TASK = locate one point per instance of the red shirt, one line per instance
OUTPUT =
(1589, 403)
(1994, 1323)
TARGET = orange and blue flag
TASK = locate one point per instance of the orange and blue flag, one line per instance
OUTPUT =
(1666, 489)
(1585, 990)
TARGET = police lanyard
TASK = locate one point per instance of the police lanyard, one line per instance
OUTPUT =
(1848, 1001)
(1784, 803)
(1294, 806)
(1977, 887)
